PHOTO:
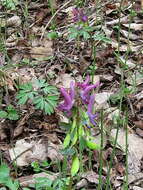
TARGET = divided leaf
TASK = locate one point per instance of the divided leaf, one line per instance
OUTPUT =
(45, 97)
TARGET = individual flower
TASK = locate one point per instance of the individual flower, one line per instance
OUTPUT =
(83, 17)
(68, 98)
(86, 89)
(79, 15)
(91, 116)
(85, 83)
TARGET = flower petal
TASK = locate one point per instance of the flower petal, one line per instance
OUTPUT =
(68, 98)
(90, 111)
(85, 83)
(72, 90)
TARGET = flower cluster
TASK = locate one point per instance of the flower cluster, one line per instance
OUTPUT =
(79, 16)
(85, 94)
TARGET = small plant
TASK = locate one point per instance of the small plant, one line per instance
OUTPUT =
(78, 106)
(53, 35)
(41, 94)
(5, 178)
(80, 27)
(10, 113)
(10, 4)
(37, 167)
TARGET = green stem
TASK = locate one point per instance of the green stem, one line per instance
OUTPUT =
(100, 156)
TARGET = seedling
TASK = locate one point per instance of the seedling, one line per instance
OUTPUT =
(80, 27)
(38, 167)
(5, 178)
(10, 4)
(10, 113)
(42, 95)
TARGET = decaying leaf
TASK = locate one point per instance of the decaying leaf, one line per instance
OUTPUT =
(28, 180)
(134, 147)
(25, 153)
(91, 177)
(64, 80)
(41, 52)
(139, 124)
(101, 99)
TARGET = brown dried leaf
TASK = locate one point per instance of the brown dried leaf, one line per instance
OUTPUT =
(134, 147)
(120, 169)
(134, 26)
(41, 52)
(14, 21)
(139, 132)
(41, 15)
(139, 124)
(28, 180)
(91, 177)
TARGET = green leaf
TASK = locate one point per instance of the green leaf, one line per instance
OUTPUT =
(75, 165)
(52, 103)
(75, 137)
(80, 130)
(73, 35)
(52, 35)
(41, 83)
(85, 35)
(82, 143)
(3, 114)
(10, 4)
(53, 97)
(68, 151)
(50, 90)
(23, 99)
(66, 141)
(103, 38)
(5, 179)
(26, 87)
(48, 109)
(43, 182)
(13, 116)
(92, 145)
(12, 113)
(4, 171)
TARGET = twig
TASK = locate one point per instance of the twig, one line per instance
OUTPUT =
(54, 17)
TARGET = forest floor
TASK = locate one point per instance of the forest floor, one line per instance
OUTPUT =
(45, 46)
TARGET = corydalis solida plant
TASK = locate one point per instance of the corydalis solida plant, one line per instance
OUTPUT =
(78, 106)
(80, 28)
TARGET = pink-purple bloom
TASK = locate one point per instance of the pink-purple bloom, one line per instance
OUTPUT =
(79, 15)
(85, 94)
(68, 98)
(86, 90)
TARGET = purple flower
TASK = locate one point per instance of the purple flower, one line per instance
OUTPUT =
(68, 98)
(79, 15)
(85, 94)
(86, 89)
(85, 83)
(91, 116)
(83, 17)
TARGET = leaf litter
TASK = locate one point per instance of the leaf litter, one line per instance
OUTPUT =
(60, 61)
